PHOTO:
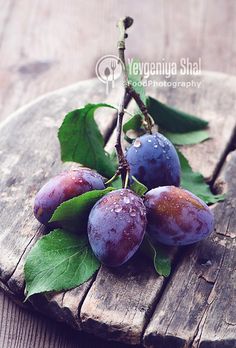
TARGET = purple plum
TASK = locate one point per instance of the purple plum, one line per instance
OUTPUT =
(154, 161)
(62, 187)
(116, 226)
(176, 216)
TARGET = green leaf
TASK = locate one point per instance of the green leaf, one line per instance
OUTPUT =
(188, 138)
(82, 142)
(135, 79)
(134, 123)
(117, 183)
(73, 214)
(113, 158)
(195, 183)
(138, 187)
(59, 261)
(159, 255)
(173, 120)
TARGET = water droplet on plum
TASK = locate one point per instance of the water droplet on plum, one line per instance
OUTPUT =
(137, 143)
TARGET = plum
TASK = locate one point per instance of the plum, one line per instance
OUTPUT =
(176, 216)
(154, 161)
(62, 187)
(116, 226)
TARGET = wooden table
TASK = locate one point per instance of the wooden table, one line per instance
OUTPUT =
(41, 49)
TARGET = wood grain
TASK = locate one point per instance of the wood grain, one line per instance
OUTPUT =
(45, 45)
(120, 301)
(119, 304)
(23, 329)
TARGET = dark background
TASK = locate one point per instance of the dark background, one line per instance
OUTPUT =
(45, 45)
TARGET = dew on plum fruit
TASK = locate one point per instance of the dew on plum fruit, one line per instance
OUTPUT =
(137, 143)
(117, 209)
(149, 141)
(126, 200)
(155, 146)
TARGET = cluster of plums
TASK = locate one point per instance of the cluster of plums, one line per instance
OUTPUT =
(118, 221)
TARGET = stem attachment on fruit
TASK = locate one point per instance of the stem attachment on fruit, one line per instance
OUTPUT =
(108, 182)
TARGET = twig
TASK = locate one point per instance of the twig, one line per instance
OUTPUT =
(123, 168)
(124, 24)
(142, 107)
(129, 91)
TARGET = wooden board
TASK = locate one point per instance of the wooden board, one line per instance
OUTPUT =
(116, 304)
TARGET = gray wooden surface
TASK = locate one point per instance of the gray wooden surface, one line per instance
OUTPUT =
(116, 304)
(44, 45)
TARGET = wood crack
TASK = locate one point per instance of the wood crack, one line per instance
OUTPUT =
(23, 253)
(231, 146)
(197, 336)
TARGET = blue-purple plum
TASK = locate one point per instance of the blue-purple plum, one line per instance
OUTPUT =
(176, 216)
(62, 187)
(116, 226)
(154, 161)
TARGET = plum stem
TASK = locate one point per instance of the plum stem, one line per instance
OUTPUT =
(123, 167)
(129, 92)
(124, 24)
(148, 121)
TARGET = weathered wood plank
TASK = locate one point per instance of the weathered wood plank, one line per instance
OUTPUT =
(120, 300)
(218, 327)
(132, 310)
(197, 308)
(112, 306)
(20, 328)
